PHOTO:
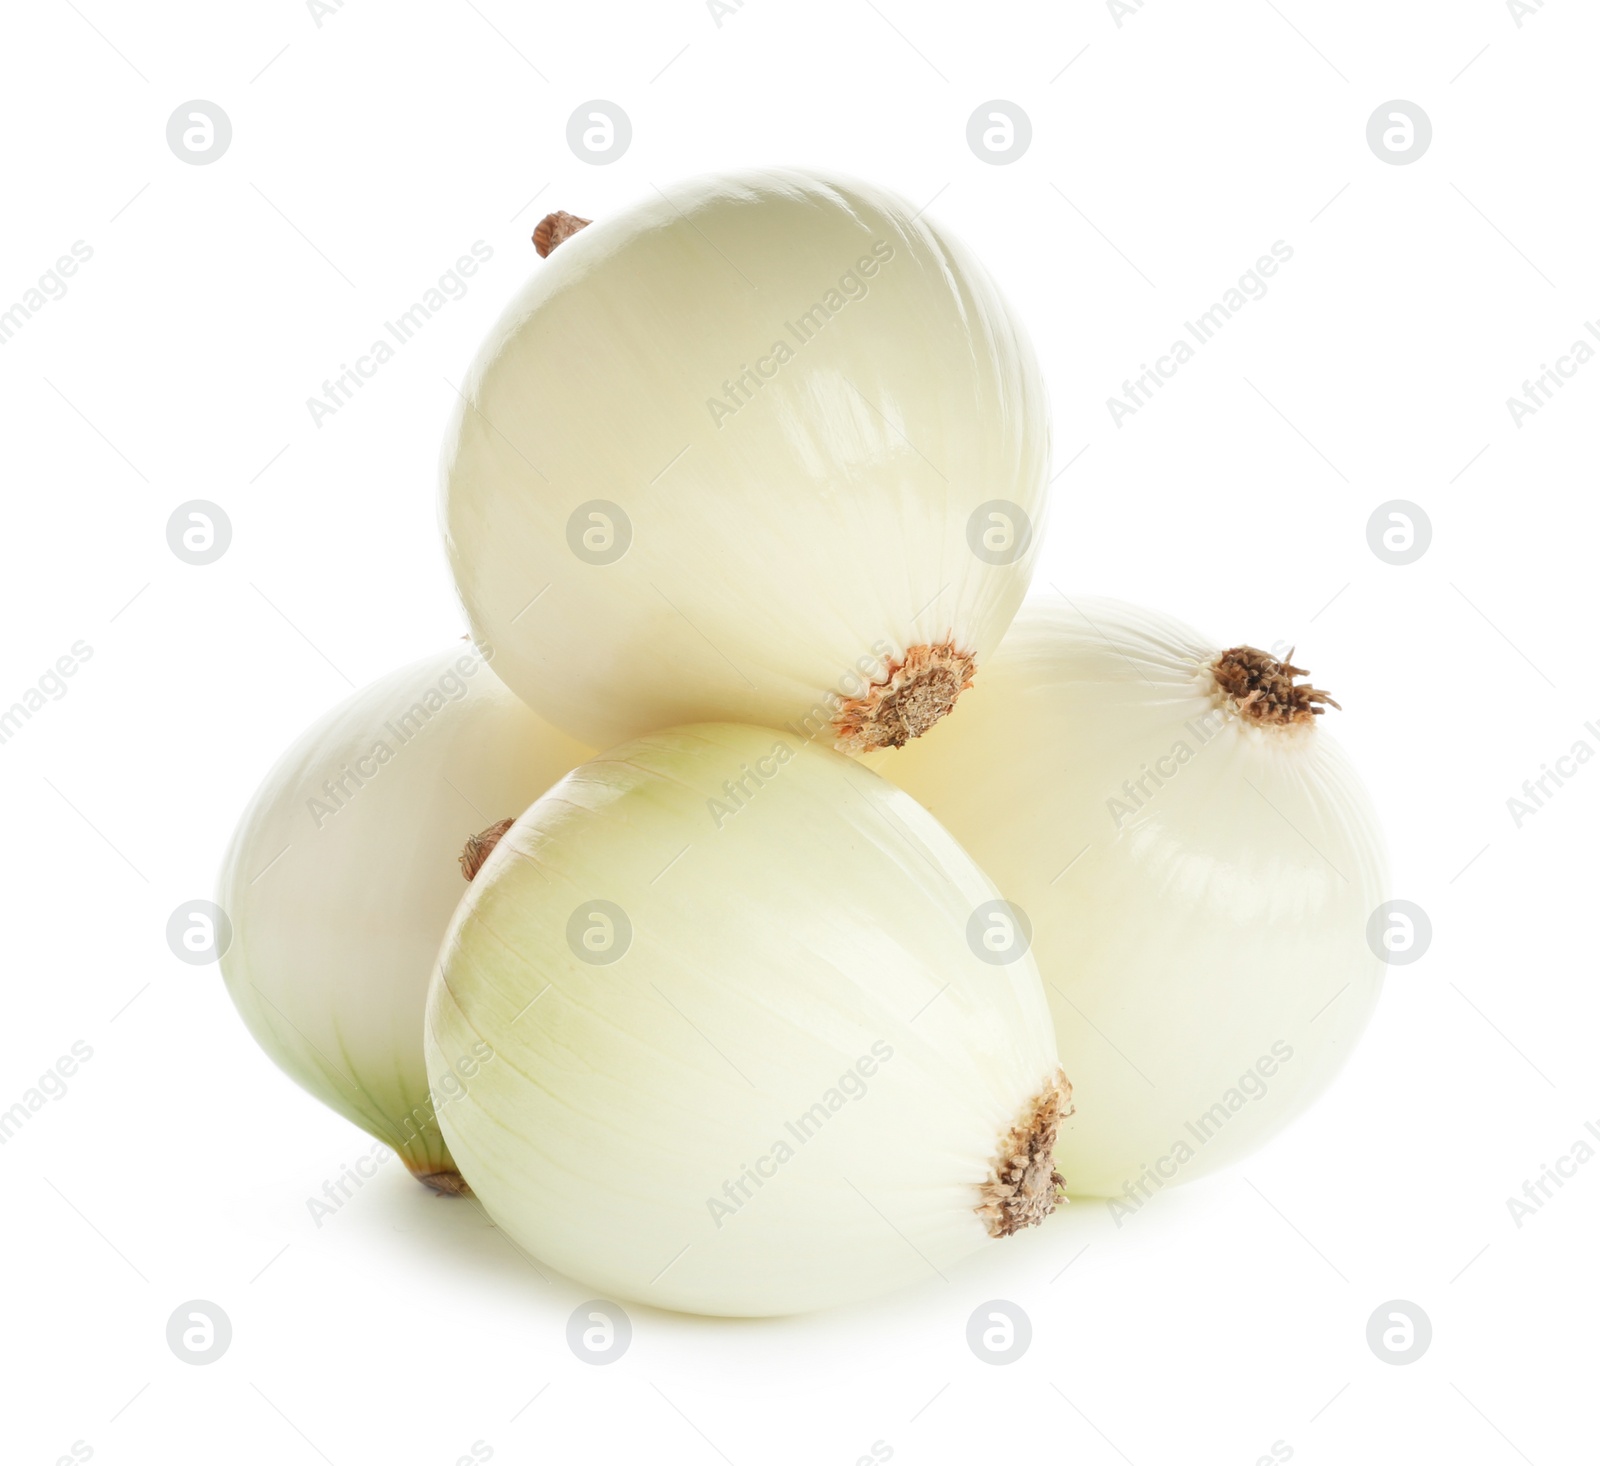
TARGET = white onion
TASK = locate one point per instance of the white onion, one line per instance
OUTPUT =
(831, 542)
(345, 869)
(1202, 938)
(745, 1058)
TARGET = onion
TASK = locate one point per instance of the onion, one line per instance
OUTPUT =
(769, 450)
(343, 873)
(1198, 861)
(746, 1057)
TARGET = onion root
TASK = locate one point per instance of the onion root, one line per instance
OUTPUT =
(918, 691)
(1263, 689)
(1025, 1185)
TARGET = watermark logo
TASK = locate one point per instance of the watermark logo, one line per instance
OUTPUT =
(199, 532)
(199, 932)
(999, 532)
(999, 1331)
(599, 1331)
(199, 132)
(999, 933)
(1399, 933)
(999, 132)
(1399, 532)
(199, 1332)
(599, 132)
(599, 532)
(1399, 1332)
(1399, 132)
(599, 933)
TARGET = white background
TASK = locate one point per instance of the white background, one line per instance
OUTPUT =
(1168, 153)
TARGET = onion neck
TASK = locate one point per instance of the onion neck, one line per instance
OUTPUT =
(555, 228)
(1024, 1185)
(1263, 689)
(480, 847)
(918, 690)
(442, 1183)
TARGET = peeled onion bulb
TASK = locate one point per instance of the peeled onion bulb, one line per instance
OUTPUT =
(769, 448)
(756, 1047)
(1198, 861)
(345, 869)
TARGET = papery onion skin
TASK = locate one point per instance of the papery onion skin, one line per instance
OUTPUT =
(1188, 934)
(792, 539)
(771, 960)
(339, 896)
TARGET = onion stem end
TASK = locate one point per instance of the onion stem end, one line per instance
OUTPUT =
(917, 691)
(1263, 689)
(1025, 1186)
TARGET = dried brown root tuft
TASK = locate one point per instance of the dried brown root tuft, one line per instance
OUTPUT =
(445, 1183)
(479, 847)
(1263, 688)
(554, 228)
(1025, 1185)
(916, 693)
